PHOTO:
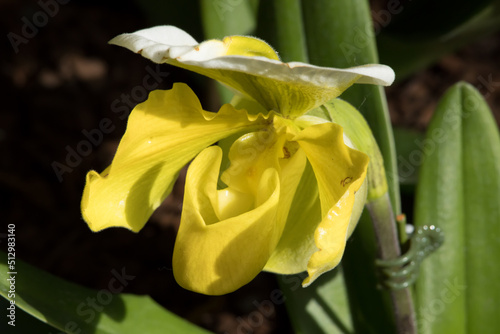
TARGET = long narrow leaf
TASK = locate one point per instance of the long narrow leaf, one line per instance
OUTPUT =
(459, 191)
(281, 24)
(75, 309)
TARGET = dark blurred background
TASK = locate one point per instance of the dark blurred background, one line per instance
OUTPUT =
(59, 80)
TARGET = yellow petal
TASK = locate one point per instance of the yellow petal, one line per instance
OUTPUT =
(340, 172)
(246, 46)
(296, 245)
(248, 66)
(226, 236)
(163, 134)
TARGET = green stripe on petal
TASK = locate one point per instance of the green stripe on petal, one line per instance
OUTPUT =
(288, 88)
(226, 236)
(163, 134)
(340, 172)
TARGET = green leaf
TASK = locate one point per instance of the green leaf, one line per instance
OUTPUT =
(409, 156)
(72, 308)
(221, 18)
(459, 191)
(280, 24)
(339, 34)
(321, 308)
(24, 322)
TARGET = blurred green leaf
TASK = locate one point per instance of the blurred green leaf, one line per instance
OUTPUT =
(409, 150)
(440, 17)
(320, 308)
(223, 18)
(280, 23)
(459, 191)
(406, 53)
(75, 309)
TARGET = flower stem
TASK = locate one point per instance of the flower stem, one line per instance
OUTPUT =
(388, 248)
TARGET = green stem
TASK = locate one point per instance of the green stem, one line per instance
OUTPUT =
(401, 220)
(388, 249)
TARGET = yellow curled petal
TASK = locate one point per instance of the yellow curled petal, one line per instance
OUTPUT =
(216, 257)
(340, 172)
(251, 67)
(226, 236)
(163, 134)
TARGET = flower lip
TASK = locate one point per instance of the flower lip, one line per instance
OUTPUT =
(245, 65)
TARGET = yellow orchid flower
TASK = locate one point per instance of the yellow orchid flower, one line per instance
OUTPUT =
(293, 189)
